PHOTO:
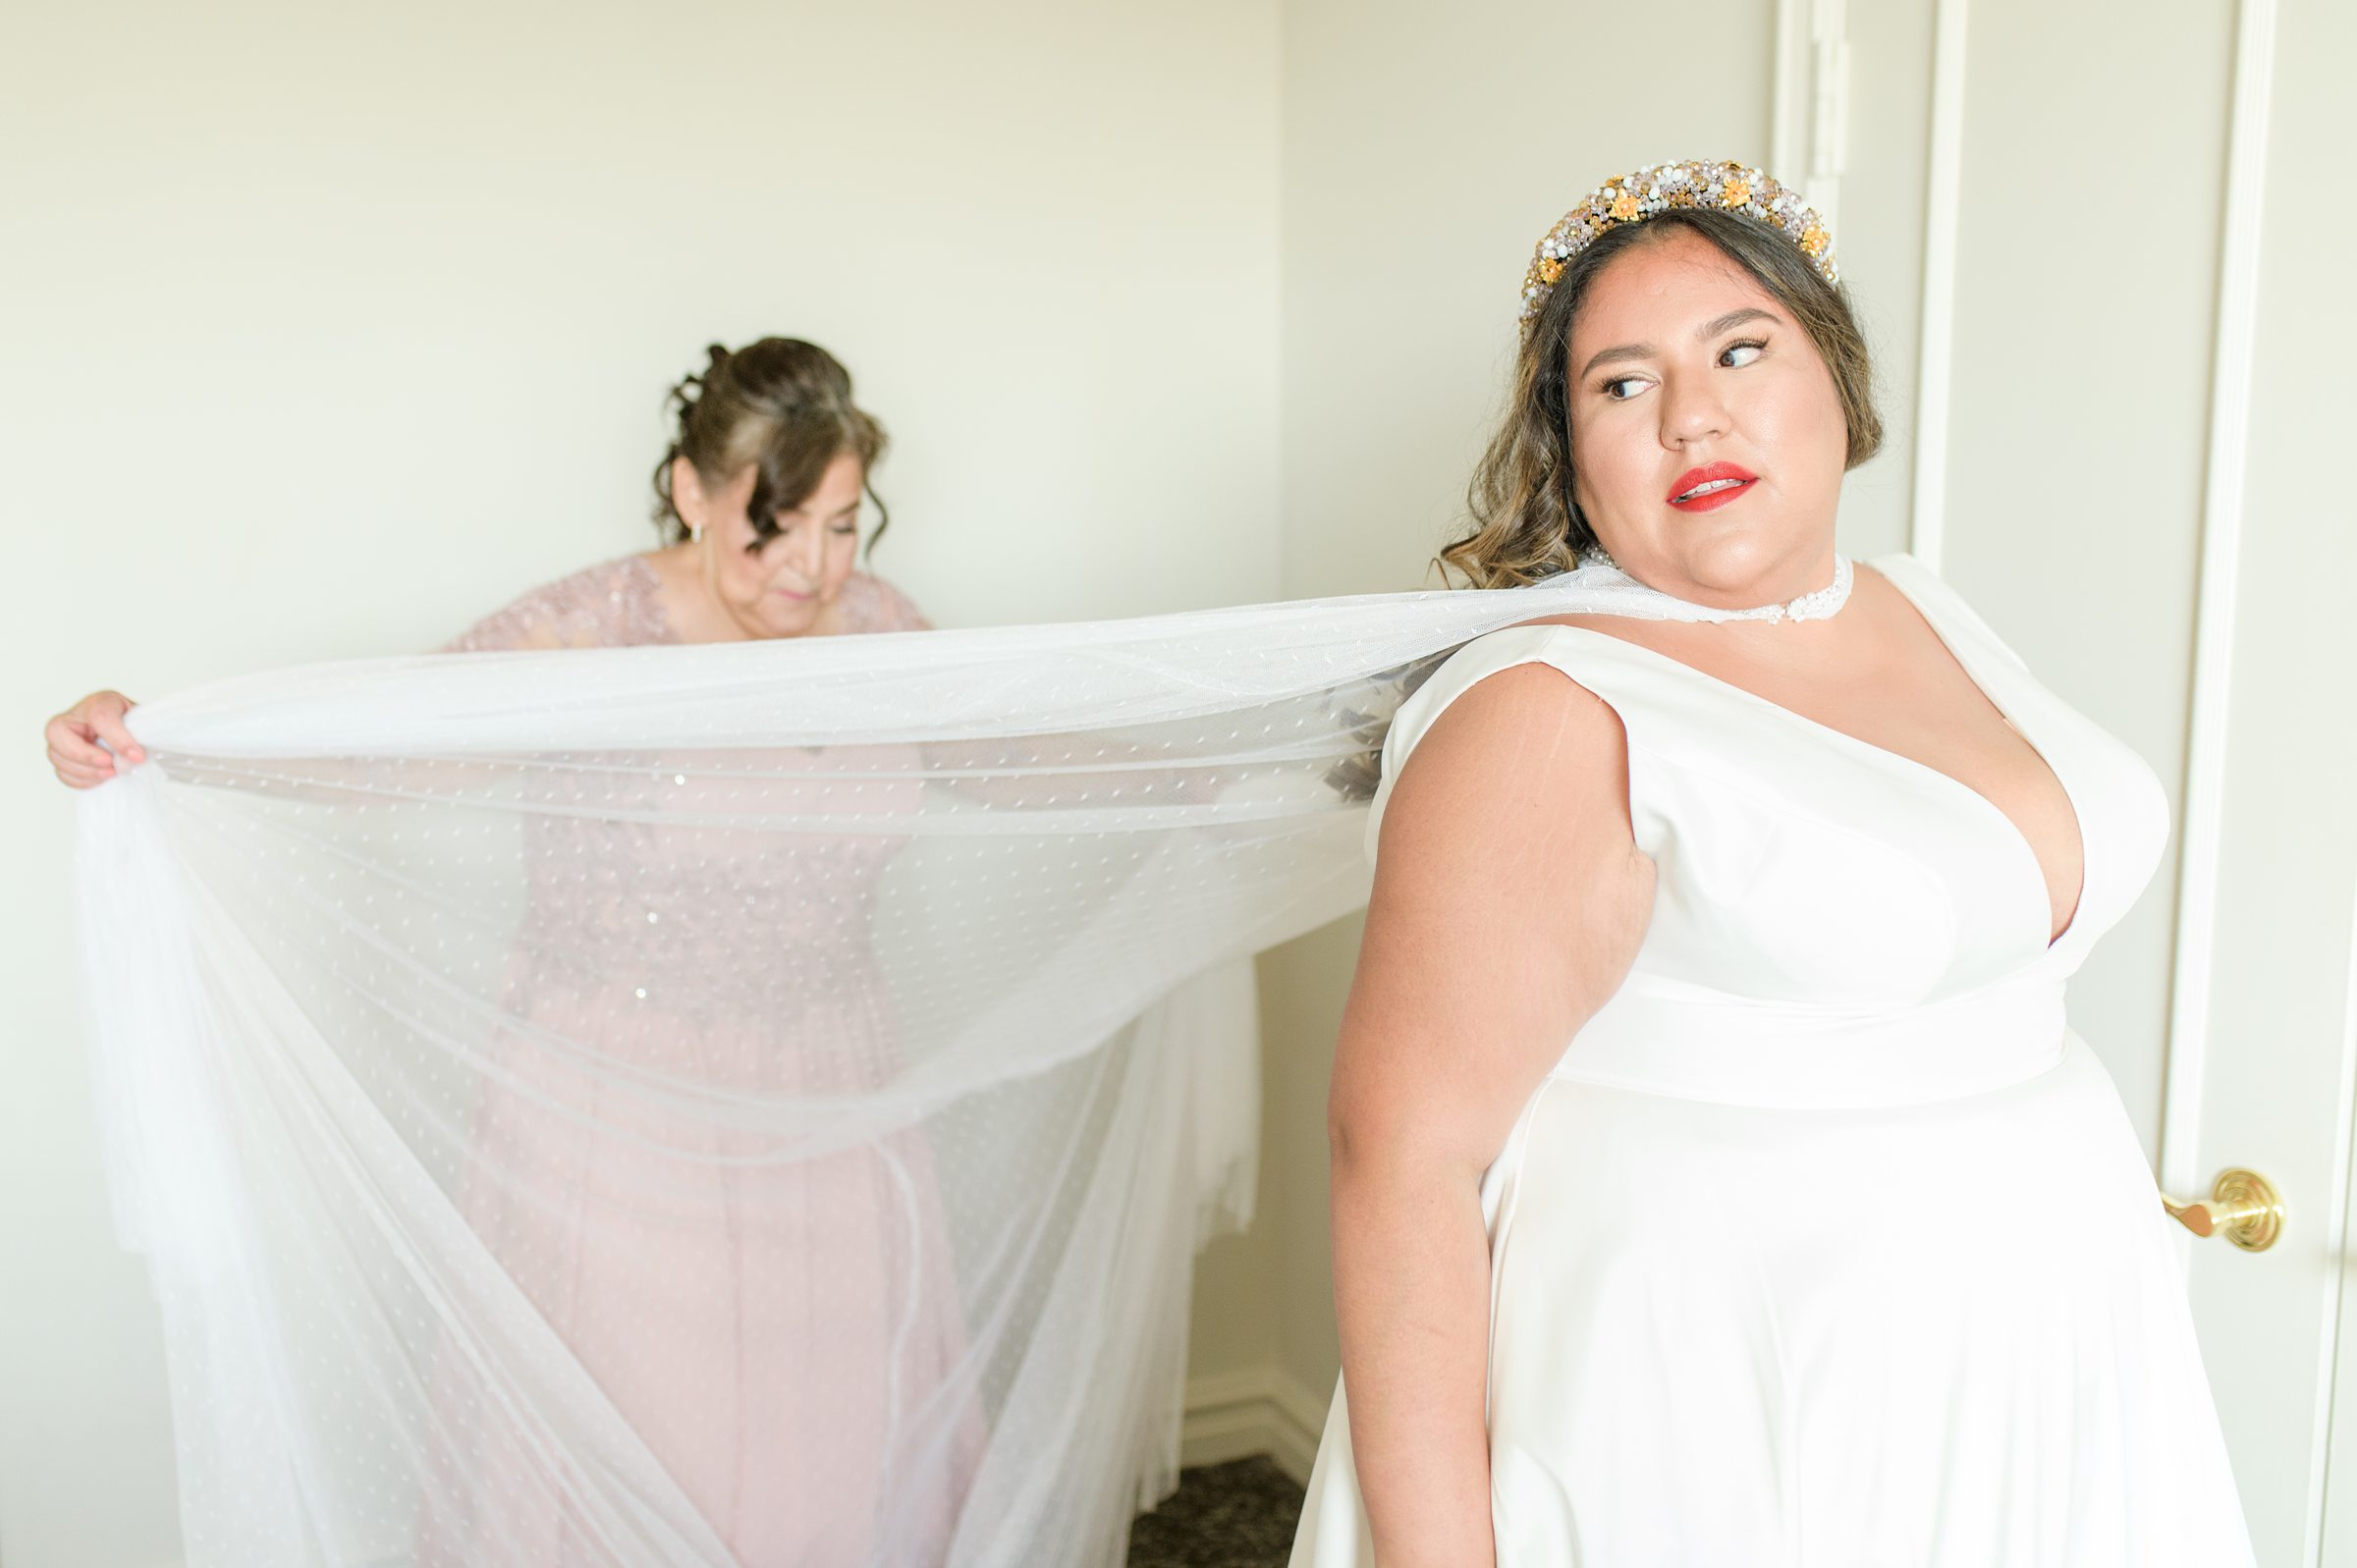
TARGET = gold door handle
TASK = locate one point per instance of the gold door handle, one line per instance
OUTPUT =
(2243, 1207)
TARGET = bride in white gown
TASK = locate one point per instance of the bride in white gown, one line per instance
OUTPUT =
(1734, 1277)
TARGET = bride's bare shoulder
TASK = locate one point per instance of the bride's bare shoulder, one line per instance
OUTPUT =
(1490, 713)
(1610, 626)
(1663, 636)
(1524, 737)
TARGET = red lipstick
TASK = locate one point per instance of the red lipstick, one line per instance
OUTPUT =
(1717, 483)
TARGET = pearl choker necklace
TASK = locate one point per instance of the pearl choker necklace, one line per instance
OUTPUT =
(1817, 606)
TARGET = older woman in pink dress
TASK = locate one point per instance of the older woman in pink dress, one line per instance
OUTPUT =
(780, 1330)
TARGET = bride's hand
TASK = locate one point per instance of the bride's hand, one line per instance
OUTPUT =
(74, 739)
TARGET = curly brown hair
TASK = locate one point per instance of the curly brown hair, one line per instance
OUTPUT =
(1526, 524)
(781, 404)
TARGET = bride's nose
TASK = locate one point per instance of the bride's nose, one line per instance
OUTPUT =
(1691, 410)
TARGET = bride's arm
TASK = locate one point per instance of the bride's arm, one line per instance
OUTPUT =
(1510, 898)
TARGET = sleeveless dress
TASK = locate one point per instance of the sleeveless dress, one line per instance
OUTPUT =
(1828, 1244)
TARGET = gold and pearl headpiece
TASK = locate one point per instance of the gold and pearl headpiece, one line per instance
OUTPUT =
(1630, 198)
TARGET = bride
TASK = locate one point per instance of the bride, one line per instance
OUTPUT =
(1712, 985)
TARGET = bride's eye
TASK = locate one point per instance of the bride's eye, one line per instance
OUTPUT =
(1737, 355)
(1612, 388)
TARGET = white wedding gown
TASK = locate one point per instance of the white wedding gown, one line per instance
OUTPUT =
(1828, 1244)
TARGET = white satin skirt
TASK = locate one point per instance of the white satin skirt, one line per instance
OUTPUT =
(1945, 1332)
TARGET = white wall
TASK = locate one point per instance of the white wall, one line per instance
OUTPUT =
(324, 330)
(1425, 154)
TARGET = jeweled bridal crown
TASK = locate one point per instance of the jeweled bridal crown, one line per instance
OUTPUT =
(1630, 198)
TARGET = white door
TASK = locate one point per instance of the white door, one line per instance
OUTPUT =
(2262, 1057)
(2136, 449)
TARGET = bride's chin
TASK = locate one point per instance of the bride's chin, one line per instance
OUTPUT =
(1739, 557)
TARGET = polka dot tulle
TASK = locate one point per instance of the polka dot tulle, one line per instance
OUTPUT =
(624, 1104)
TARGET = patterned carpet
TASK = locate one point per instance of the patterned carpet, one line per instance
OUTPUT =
(1238, 1515)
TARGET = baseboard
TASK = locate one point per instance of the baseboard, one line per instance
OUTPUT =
(1256, 1410)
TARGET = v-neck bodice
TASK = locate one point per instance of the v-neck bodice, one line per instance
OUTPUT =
(1801, 867)
(1899, 571)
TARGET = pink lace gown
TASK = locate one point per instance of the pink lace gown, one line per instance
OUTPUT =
(783, 1336)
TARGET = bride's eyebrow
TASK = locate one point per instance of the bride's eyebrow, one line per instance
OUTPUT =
(1645, 351)
(1732, 320)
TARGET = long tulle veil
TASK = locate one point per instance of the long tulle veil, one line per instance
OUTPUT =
(668, 1105)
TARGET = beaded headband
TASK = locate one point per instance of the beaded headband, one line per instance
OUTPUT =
(1631, 198)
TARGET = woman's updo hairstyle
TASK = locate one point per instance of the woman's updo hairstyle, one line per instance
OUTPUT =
(1525, 523)
(781, 406)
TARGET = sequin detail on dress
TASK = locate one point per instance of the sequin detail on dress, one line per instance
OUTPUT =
(618, 604)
